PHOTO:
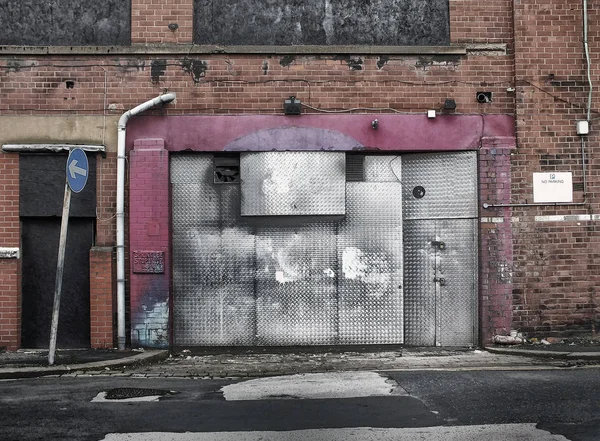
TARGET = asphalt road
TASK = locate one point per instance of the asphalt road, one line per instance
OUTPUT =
(506, 405)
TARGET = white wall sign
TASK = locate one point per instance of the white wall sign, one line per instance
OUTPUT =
(553, 187)
(9, 253)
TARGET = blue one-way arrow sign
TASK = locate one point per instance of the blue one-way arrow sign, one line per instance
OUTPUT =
(77, 170)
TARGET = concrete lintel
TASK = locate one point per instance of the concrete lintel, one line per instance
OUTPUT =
(193, 49)
(486, 49)
(50, 148)
(9, 253)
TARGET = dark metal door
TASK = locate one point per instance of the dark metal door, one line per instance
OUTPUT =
(41, 191)
(40, 238)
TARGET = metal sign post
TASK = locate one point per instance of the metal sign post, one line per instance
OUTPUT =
(77, 173)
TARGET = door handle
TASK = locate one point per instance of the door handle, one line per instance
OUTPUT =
(439, 244)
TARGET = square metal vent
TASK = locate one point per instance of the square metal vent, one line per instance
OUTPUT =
(226, 170)
(355, 168)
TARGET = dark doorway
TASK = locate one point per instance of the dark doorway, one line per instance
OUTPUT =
(41, 191)
(40, 253)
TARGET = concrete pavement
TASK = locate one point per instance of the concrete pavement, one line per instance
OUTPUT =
(258, 362)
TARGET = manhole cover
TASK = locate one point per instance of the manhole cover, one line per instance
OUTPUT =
(132, 394)
(122, 393)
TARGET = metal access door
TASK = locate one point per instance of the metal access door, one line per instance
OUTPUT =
(440, 249)
(440, 282)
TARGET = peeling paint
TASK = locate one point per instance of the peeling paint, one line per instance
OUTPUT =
(382, 61)
(158, 69)
(133, 65)
(286, 60)
(437, 60)
(196, 68)
(355, 64)
(14, 66)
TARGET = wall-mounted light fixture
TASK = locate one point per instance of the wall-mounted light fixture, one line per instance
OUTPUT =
(173, 27)
(374, 124)
(431, 114)
(292, 106)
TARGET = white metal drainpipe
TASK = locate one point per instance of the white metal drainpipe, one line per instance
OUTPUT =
(162, 99)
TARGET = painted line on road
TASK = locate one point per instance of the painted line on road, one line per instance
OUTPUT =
(349, 384)
(505, 432)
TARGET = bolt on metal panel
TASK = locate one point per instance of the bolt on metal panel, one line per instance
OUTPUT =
(293, 183)
(439, 185)
(370, 265)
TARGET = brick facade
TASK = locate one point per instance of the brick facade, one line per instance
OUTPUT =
(102, 299)
(555, 262)
(10, 297)
(539, 270)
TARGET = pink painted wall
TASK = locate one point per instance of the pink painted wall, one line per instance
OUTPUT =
(322, 132)
(149, 237)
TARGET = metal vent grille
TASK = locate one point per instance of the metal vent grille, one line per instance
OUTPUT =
(355, 168)
(226, 170)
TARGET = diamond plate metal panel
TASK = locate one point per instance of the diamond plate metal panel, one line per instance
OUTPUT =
(292, 183)
(214, 315)
(296, 274)
(213, 260)
(191, 169)
(382, 168)
(449, 181)
(370, 265)
(458, 267)
(419, 287)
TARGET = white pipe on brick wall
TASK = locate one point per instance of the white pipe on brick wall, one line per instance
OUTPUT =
(162, 99)
(587, 57)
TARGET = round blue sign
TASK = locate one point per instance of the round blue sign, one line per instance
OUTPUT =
(77, 170)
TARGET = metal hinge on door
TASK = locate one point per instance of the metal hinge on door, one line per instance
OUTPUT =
(441, 280)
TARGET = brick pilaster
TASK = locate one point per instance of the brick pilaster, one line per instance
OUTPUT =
(102, 298)
(149, 243)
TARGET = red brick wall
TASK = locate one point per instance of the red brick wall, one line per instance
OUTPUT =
(556, 279)
(102, 299)
(106, 199)
(495, 252)
(10, 298)
(151, 19)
